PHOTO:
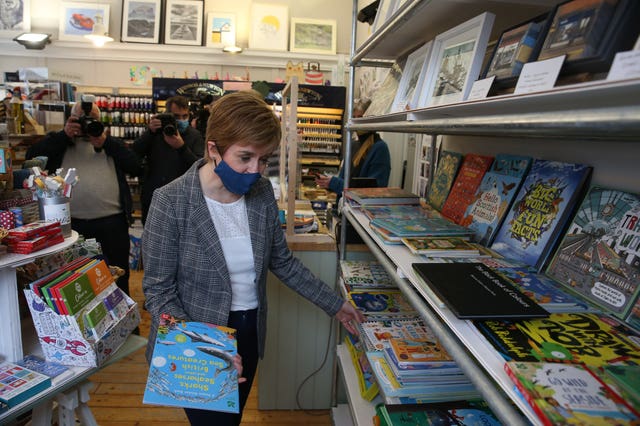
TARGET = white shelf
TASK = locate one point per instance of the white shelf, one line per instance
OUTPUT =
(362, 411)
(459, 337)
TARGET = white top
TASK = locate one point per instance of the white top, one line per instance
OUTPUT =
(232, 225)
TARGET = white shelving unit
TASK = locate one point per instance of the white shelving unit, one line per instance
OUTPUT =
(582, 122)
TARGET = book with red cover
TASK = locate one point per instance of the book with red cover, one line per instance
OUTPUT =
(471, 172)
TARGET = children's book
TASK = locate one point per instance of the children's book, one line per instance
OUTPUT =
(192, 366)
(400, 211)
(366, 382)
(441, 246)
(18, 383)
(625, 379)
(591, 338)
(48, 368)
(566, 394)
(446, 171)
(541, 211)
(358, 274)
(491, 201)
(374, 333)
(386, 236)
(452, 413)
(598, 256)
(381, 196)
(465, 185)
(381, 302)
(421, 227)
(472, 290)
(407, 353)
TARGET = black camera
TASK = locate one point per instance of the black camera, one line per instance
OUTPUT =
(168, 125)
(89, 125)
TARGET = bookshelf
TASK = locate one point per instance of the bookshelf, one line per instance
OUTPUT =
(594, 123)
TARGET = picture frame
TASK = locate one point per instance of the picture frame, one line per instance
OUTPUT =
(455, 62)
(77, 19)
(269, 28)
(313, 36)
(516, 46)
(220, 30)
(385, 7)
(183, 22)
(15, 18)
(590, 33)
(141, 21)
(413, 76)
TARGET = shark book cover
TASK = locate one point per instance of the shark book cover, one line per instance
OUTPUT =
(192, 366)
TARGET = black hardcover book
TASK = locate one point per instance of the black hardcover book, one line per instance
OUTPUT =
(473, 290)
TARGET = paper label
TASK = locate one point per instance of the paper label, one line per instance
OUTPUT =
(480, 88)
(59, 212)
(539, 76)
(625, 65)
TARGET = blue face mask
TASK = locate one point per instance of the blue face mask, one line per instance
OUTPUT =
(238, 183)
(182, 125)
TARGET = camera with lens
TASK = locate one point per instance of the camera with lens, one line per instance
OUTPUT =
(168, 125)
(89, 125)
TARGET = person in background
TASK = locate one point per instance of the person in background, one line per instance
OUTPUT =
(213, 234)
(371, 159)
(101, 200)
(167, 153)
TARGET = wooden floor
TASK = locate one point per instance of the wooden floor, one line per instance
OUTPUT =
(116, 399)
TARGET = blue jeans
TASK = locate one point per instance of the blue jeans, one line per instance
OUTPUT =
(246, 324)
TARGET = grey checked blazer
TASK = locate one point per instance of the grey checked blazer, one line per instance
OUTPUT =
(185, 274)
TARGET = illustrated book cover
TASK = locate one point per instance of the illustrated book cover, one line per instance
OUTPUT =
(599, 256)
(381, 302)
(364, 274)
(192, 366)
(472, 290)
(378, 196)
(458, 413)
(465, 185)
(566, 394)
(421, 227)
(48, 368)
(441, 246)
(494, 196)
(17, 383)
(366, 382)
(400, 211)
(448, 164)
(594, 339)
(541, 211)
(375, 332)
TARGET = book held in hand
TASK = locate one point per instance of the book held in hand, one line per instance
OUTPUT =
(192, 366)
(473, 290)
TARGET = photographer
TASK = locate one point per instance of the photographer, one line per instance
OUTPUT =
(101, 201)
(168, 148)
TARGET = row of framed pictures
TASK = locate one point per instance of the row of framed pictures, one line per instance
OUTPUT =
(587, 32)
(181, 22)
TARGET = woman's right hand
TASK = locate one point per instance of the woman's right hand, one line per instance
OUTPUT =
(323, 181)
(237, 364)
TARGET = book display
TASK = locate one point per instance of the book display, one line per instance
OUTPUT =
(573, 121)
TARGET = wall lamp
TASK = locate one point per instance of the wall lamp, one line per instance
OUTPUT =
(33, 40)
(99, 35)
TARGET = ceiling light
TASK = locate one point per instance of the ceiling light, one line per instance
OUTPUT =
(99, 35)
(33, 40)
(232, 49)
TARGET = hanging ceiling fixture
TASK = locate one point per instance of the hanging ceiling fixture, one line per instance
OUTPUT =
(99, 35)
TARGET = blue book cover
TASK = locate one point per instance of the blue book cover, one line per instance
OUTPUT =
(48, 368)
(192, 367)
(494, 196)
(421, 227)
(540, 211)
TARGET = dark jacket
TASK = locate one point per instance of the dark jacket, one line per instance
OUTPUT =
(54, 145)
(162, 163)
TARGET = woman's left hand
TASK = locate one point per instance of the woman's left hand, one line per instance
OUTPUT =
(347, 314)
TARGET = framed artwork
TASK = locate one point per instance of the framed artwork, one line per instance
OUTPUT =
(220, 30)
(141, 21)
(269, 26)
(413, 75)
(455, 62)
(183, 22)
(385, 7)
(515, 47)
(77, 19)
(313, 36)
(15, 17)
(590, 33)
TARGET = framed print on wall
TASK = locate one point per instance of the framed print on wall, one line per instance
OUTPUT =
(141, 21)
(269, 28)
(456, 58)
(183, 22)
(220, 30)
(313, 36)
(77, 19)
(15, 17)
(415, 69)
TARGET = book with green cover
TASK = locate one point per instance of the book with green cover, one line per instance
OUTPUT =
(446, 171)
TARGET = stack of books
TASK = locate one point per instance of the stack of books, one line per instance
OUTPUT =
(17, 384)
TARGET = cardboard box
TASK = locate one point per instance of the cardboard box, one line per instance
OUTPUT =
(62, 340)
